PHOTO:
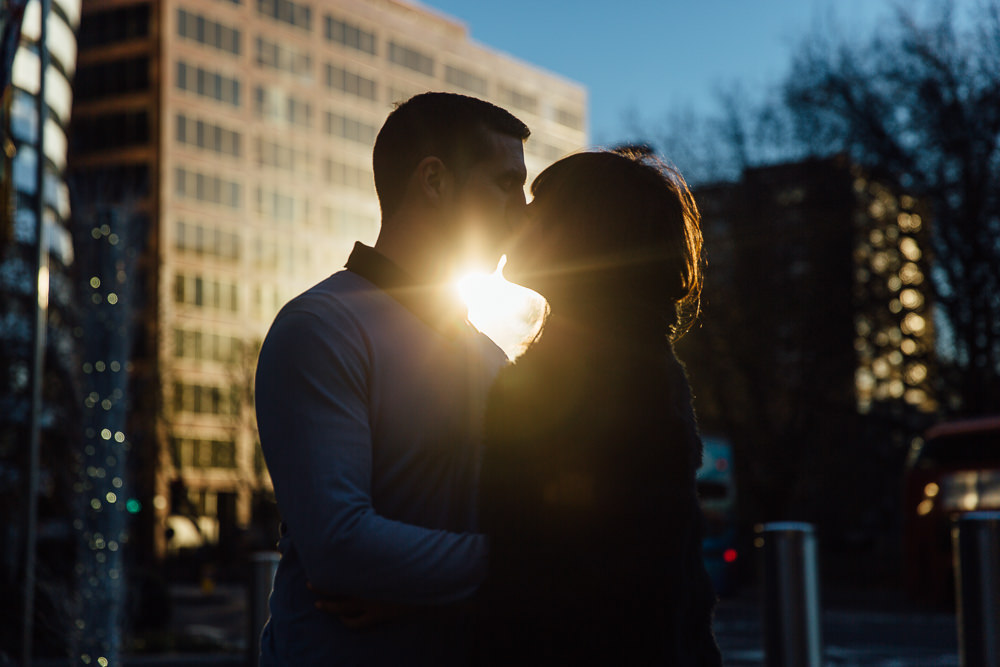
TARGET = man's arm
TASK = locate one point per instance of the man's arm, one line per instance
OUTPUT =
(312, 413)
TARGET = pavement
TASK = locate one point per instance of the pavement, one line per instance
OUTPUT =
(861, 628)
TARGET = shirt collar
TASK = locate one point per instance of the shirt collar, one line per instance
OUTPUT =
(429, 302)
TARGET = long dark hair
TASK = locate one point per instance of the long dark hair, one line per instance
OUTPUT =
(629, 220)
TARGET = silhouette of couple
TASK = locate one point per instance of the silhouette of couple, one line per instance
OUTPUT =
(442, 507)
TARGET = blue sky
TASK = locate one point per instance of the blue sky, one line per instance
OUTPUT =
(653, 56)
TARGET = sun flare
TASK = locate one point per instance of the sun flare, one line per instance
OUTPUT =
(510, 314)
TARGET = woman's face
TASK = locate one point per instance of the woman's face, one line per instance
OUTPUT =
(534, 251)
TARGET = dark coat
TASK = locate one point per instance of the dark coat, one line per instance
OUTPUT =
(588, 496)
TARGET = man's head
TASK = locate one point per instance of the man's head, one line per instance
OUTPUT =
(461, 159)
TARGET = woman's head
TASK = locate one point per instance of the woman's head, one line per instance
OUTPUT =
(617, 226)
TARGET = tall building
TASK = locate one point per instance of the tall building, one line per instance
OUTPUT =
(38, 315)
(815, 350)
(232, 140)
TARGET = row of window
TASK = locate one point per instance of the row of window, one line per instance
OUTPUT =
(340, 79)
(349, 128)
(209, 136)
(207, 188)
(115, 77)
(465, 79)
(197, 453)
(205, 293)
(285, 59)
(338, 173)
(205, 400)
(205, 346)
(280, 206)
(206, 241)
(276, 155)
(207, 83)
(278, 106)
(208, 32)
(113, 26)
(411, 58)
(293, 13)
(101, 132)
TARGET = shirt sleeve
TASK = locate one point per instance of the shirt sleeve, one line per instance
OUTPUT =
(312, 415)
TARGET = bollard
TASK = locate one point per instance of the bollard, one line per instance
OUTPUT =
(976, 550)
(263, 566)
(791, 610)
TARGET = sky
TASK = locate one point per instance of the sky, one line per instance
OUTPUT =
(645, 58)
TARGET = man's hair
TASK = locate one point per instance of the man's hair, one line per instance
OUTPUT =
(444, 125)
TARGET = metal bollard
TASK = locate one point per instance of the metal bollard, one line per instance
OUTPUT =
(263, 566)
(791, 609)
(976, 550)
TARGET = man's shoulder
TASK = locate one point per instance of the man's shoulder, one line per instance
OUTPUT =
(343, 294)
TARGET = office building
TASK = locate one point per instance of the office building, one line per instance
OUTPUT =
(232, 141)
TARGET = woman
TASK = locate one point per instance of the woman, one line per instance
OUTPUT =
(588, 485)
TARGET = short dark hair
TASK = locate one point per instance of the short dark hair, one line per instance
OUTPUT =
(449, 126)
(632, 214)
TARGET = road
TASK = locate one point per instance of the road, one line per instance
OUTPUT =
(860, 629)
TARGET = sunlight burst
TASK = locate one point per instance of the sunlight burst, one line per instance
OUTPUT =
(511, 315)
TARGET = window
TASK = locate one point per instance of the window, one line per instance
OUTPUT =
(348, 128)
(349, 35)
(205, 31)
(411, 59)
(276, 105)
(114, 25)
(569, 119)
(198, 453)
(465, 79)
(205, 241)
(280, 156)
(280, 206)
(293, 13)
(207, 83)
(201, 399)
(109, 130)
(349, 82)
(283, 58)
(205, 293)
(337, 173)
(207, 188)
(204, 346)
(517, 99)
(111, 78)
(208, 136)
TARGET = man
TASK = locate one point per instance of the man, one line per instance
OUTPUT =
(370, 394)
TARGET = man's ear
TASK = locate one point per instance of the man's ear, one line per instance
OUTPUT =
(433, 179)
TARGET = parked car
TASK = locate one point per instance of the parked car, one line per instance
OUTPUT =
(953, 469)
(717, 493)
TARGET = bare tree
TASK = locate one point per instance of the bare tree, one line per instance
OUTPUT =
(920, 101)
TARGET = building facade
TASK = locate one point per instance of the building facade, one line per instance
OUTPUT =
(815, 349)
(234, 139)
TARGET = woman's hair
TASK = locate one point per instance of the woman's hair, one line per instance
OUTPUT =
(627, 219)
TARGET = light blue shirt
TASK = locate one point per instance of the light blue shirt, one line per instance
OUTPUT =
(370, 422)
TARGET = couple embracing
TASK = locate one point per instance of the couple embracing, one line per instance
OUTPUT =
(443, 507)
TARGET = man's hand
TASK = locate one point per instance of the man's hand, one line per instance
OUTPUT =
(356, 613)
